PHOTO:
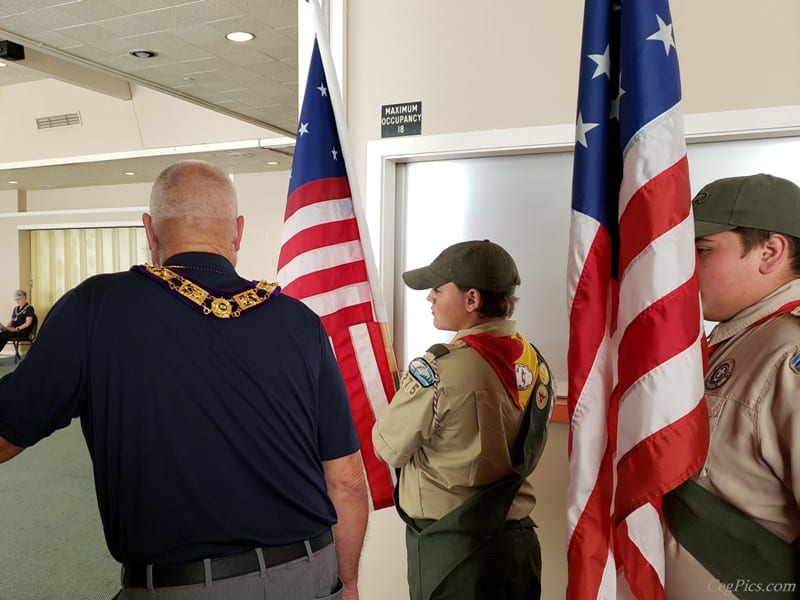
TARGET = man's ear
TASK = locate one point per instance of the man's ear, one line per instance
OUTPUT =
(152, 240)
(774, 253)
(237, 241)
(473, 300)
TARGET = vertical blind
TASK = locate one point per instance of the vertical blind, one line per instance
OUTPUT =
(62, 258)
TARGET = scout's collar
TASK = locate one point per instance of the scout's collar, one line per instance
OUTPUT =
(786, 308)
(756, 313)
(214, 304)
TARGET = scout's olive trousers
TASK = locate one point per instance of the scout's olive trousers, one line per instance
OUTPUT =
(507, 567)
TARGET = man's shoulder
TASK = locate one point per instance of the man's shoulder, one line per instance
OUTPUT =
(106, 283)
(294, 306)
(102, 279)
(774, 342)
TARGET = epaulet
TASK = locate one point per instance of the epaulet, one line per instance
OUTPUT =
(438, 350)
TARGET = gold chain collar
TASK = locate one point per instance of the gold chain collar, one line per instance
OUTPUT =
(218, 306)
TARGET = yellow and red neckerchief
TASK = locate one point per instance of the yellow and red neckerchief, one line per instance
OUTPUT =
(512, 358)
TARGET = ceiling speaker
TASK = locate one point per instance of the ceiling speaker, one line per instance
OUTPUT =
(11, 51)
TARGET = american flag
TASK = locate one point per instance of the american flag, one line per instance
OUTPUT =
(323, 263)
(638, 421)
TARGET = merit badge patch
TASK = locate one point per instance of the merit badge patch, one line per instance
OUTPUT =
(720, 375)
(544, 374)
(420, 370)
(794, 363)
(524, 376)
(542, 397)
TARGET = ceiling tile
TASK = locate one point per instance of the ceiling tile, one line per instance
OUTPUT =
(256, 80)
(126, 27)
(91, 11)
(87, 34)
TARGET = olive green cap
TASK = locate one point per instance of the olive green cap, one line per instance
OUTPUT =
(755, 201)
(479, 264)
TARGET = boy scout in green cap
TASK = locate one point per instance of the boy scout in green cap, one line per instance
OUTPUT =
(733, 528)
(465, 429)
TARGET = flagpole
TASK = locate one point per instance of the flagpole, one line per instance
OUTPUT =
(378, 302)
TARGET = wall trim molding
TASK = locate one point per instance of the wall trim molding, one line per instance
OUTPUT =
(72, 212)
(79, 225)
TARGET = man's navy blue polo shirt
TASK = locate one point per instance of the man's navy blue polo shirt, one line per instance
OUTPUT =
(207, 435)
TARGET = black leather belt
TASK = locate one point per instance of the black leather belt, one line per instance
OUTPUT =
(222, 567)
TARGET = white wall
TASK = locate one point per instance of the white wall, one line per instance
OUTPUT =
(262, 201)
(10, 276)
(479, 65)
(149, 120)
(86, 198)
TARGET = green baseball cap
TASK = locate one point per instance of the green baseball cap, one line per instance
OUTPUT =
(479, 264)
(756, 201)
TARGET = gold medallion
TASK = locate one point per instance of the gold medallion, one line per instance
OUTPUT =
(221, 308)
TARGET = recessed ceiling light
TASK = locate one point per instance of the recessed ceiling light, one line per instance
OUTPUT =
(129, 173)
(12, 182)
(272, 162)
(240, 36)
(142, 53)
(2, 64)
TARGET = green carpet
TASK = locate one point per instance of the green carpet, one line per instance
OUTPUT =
(51, 539)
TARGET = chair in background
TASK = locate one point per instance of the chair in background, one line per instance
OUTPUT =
(28, 340)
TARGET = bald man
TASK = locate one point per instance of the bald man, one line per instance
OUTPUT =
(225, 458)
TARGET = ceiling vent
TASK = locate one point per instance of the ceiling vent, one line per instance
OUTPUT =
(58, 121)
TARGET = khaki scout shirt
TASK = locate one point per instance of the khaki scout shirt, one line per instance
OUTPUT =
(478, 427)
(753, 395)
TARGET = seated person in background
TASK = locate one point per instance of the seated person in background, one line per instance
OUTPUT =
(18, 328)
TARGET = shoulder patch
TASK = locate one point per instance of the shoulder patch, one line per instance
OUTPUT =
(720, 375)
(438, 350)
(794, 363)
(421, 370)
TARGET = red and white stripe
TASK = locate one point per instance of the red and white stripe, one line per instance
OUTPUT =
(635, 360)
(322, 263)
